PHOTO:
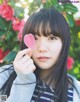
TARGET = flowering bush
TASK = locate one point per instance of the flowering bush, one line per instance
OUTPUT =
(18, 25)
(3, 54)
(70, 63)
(6, 11)
(10, 33)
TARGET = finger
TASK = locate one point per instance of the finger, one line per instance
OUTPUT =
(22, 53)
(28, 63)
(25, 68)
(24, 59)
(30, 69)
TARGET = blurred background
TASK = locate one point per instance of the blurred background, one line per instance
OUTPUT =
(14, 13)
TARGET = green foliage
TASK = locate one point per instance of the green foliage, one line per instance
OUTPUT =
(68, 7)
(8, 36)
(19, 12)
(10, 57)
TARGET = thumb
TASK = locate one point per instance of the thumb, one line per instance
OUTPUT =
(30, 53)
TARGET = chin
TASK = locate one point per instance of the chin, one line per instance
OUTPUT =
(44, 67)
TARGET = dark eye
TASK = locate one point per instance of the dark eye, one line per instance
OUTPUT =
(53, 38)
(35, 38)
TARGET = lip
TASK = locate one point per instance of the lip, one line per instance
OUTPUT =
(43, 58)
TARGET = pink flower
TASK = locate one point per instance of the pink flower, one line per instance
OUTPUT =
(70, 63)
(20, 35)
(43, 1)
(77, 22)
(17, 24)
(3, 54)
(6, 11)
(21, 24)
(20, 30)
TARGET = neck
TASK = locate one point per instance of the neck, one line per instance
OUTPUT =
(45, 76)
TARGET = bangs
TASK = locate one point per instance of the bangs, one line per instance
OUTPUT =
(43, 24)
(44, 28)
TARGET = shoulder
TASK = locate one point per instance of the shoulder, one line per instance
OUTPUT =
(5, 72)
(6, 69)
(76, 85)
(75, 82)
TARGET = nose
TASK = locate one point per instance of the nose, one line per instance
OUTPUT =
(42, 47)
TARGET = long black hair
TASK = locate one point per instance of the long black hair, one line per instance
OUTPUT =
(46, 21)
(50, 21)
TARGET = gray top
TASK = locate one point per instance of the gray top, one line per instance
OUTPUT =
(24, 93)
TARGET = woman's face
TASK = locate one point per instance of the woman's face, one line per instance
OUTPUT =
(46, 51)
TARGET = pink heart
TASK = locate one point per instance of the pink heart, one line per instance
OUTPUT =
(29, 40)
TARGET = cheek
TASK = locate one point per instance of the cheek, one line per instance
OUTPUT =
(35, 50)
(33, 53)
(56, 48)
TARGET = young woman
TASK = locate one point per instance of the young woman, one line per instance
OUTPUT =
(40, 74)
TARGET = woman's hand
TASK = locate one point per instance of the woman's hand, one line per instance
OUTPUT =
(23, 63)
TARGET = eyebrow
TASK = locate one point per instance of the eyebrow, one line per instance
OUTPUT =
(44, 35)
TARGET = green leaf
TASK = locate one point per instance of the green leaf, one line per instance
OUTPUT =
(2, 32)
(19, 11)
(59, 8)
(70, 19)
(2, 24)
(12, 2)
(76, 70)
(1, 1)
(68, 7)
(54, 2)
(10, 57)
(9, 36)
(38, 2)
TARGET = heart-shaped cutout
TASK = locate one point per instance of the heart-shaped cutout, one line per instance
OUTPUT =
(29, 40)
